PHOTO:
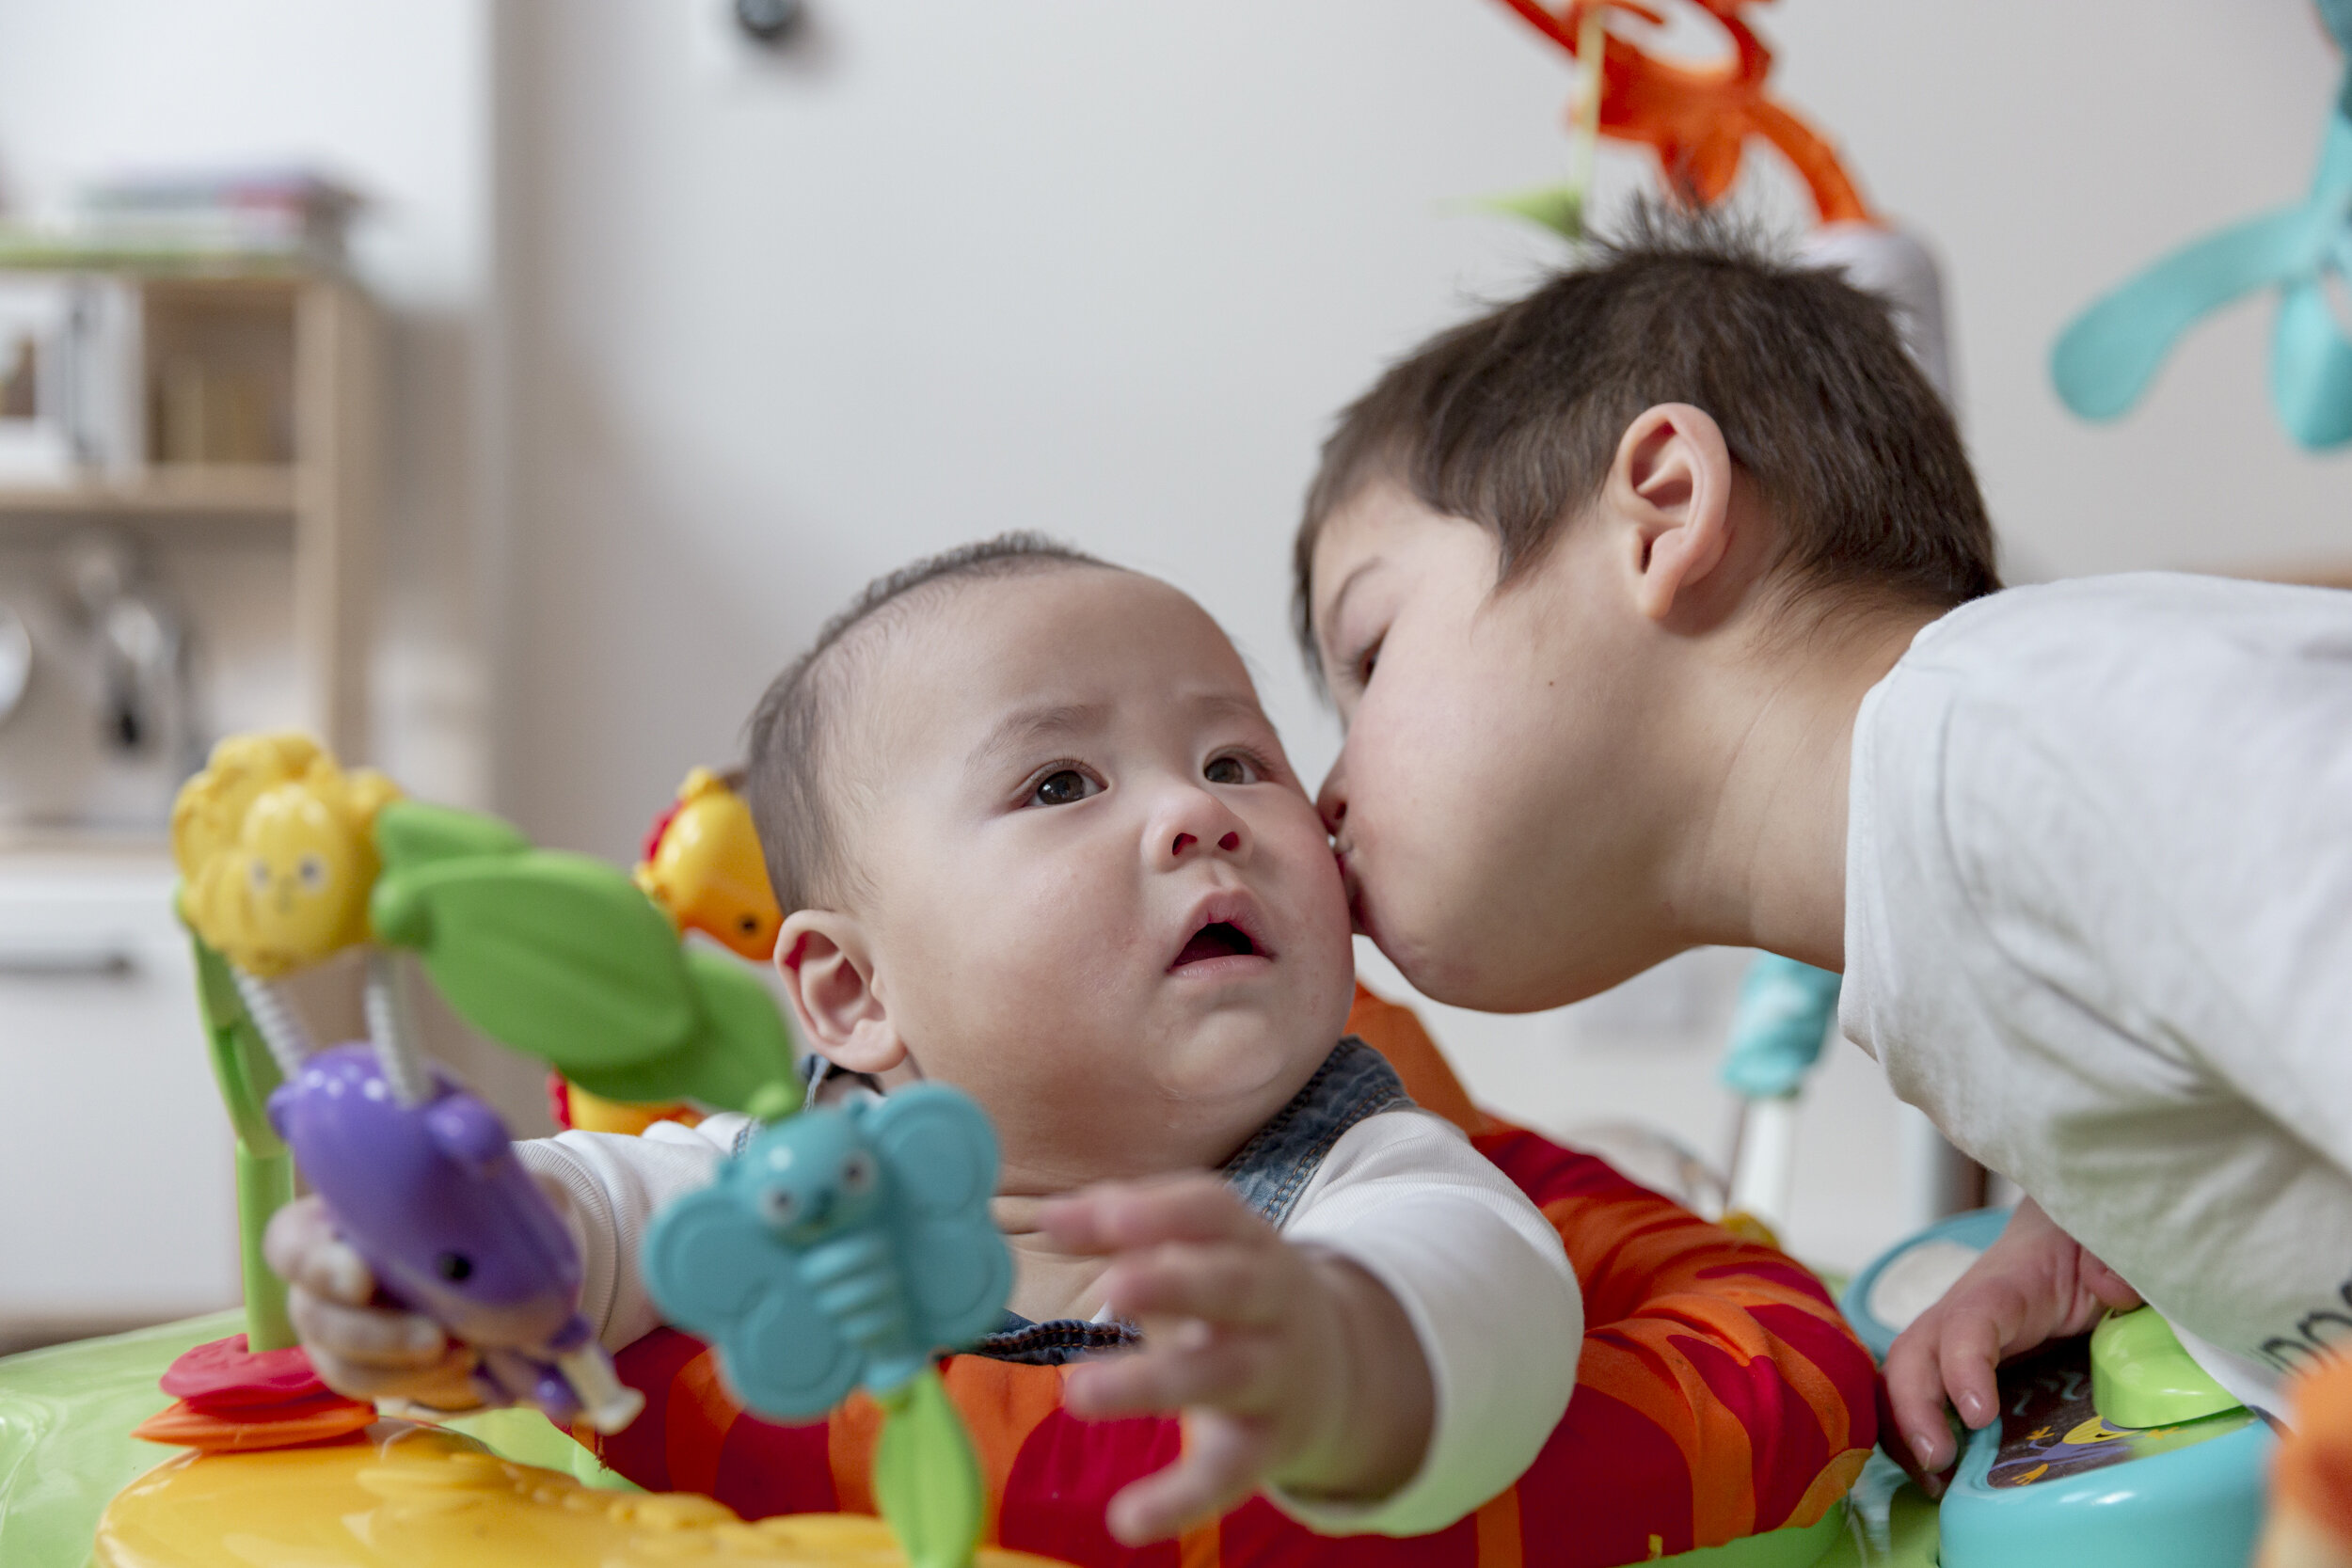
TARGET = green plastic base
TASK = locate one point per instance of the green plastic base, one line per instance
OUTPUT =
(1805, 1546)
(66, 1447)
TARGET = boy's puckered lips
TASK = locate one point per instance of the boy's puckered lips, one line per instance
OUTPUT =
(1225, 930)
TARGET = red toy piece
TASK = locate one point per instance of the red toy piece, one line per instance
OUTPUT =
(233, 1399)
(224, 1376)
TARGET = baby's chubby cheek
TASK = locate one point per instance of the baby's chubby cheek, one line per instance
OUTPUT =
(1041, 959)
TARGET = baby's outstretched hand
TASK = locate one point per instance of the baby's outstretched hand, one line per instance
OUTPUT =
(1292, 1366)
(2034, 1284)
(360, 1345)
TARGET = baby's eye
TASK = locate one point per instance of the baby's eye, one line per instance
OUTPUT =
(1229, 771)
(1063, 786)
(1360, 670)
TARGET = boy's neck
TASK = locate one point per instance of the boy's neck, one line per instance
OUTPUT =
(1768, 866)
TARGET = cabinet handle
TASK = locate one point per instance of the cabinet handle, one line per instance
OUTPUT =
(67, 963)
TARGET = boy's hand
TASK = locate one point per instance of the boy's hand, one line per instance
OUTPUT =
(2035, 1284)
(1292, 1366)
(360, 1345)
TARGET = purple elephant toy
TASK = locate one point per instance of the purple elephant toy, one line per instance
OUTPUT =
(435, 1201)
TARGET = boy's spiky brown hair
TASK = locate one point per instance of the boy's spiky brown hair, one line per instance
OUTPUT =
(1512, 419)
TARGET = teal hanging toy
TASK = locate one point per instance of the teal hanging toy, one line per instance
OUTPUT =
(843, 1248)
(2105, 360)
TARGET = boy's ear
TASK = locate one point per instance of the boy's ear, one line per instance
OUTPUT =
(829, 972)
(1672, 480)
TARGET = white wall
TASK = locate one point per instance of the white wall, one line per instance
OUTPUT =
(1107, 270)
(392, 99)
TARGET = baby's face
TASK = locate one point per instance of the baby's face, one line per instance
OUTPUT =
(1096, 896)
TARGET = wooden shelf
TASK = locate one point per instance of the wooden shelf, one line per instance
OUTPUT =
(263, 490)
(252, 400)
(49, 840)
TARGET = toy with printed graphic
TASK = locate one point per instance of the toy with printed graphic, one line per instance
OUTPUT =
(846, 1248)
(285, 861)
(2114, 1446)
(1697, 120)
(2108, 355)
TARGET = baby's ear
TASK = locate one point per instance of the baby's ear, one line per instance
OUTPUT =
(829, 973)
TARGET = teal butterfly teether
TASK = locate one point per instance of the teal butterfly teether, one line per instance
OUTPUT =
(843, 1248)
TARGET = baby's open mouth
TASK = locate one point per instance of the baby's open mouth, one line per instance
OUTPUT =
(1218, 940)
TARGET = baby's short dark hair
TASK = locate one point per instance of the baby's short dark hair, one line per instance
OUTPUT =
(793, 730)
(1512, 419)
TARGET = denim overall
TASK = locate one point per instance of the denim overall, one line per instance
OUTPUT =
(1267, 1173)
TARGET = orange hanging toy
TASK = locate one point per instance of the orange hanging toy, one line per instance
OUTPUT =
(1697, 119)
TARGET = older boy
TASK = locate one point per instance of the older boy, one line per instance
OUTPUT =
(1661, 610)
(1039, 841)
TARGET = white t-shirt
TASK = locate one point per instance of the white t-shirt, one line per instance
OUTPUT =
(2098, 928)
(1479, 1271)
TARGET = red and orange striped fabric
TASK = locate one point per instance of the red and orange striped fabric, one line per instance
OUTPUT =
(1719, 1395)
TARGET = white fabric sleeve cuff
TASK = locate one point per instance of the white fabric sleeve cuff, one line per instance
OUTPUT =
(616, 1183)
(1487, 1285)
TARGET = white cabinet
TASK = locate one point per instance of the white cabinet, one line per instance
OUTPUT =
(116, 1187)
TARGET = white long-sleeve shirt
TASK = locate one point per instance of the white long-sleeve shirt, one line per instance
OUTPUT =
(1479, 1272)
(2099, 927)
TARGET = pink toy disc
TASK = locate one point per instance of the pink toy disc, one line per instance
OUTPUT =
(224, 1378)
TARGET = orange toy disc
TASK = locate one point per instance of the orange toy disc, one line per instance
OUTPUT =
(311, 1421)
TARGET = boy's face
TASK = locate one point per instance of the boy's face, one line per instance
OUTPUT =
(1093, 895)
(1494, 808)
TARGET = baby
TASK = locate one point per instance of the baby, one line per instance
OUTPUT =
(1041, 843)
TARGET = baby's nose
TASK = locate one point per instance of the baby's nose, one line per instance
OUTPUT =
(1188, 822)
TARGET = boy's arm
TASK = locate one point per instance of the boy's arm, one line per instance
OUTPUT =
(1416, 1327)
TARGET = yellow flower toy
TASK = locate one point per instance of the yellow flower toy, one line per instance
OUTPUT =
(276, 857)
